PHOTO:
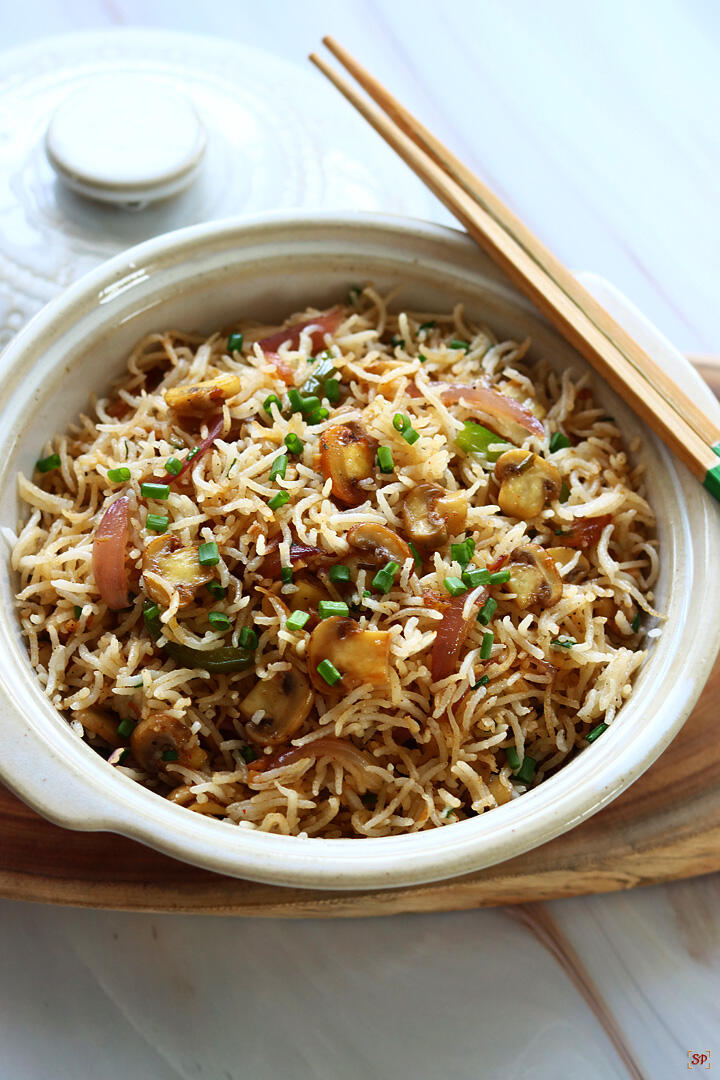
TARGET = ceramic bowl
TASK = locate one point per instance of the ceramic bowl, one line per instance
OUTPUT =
(206, 276)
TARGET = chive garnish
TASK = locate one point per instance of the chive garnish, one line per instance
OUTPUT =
(366, 593)
(527, 770)
(482, 681)
(427, 325)
(415, 554)
(329, 608)
(332, 390)
(455, 586)
(476, 439)
(231, 466)
(457, 344)
(302, 404)
(462, 553)
(396, 341)
(169, 755)
(157, 522)
(354, 294)
(247, 638)
(499, 577)
(279, 466)
(270, 400)
(317, 416)
(173, 465)
(218, 619)
(119, 476)
(215, 588)
(564, 492)
(422, 358)
(473, 578)
(125, 728)
(286, 574)
(294, 443)
(385, 459)
(208, 554)
(596, 732)
(327, 671)
(248, 753)
(77, 611)
(155, 491)
(401, 421)
(47, 464)
(339, 573)
(558, 441)
(383, 580)
(563, 643)
(635, 624)
(192, 453)
(411, 436)
(279, 500)
(235, 343)
(512, 758)
(487, 611)
(487, 644)
(150, 613)
(297, 620)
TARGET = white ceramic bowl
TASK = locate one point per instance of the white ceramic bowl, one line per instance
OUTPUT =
(208, 275)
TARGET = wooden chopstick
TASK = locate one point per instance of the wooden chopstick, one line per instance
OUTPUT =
(581, 320)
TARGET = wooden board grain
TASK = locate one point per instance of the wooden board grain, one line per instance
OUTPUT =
(665, 827)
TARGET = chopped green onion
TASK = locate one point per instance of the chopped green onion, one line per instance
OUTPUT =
(247, 638)
(297, 620)
(487, 644)
(339, 573)
(354, 293)
(401, 421)
(169, 755)
(635, 624)
(327, 670)
(457, 344)
(596, 732)
(235, 343)
(302, 404)
(328, 608)
(396, 341)
(366, 593)
(155, 491)
(428, 325)
(270, 400)
(317, 416)
(512, 758)
(369, 800)
(294, 443)
(231, 466)
(463, 553)
(499, 577)
(125, 728)
(173, 465)
(286, 574)
(218, 619)
(208, 554)
(279, 466)
(192, 453)
(325, 368)
(47, 464)
(279, 500)
(487, 611)
(455, 586)
(157, 522)
(411, 436)
(476, 439)
(118, 476)
(415, 554)
(473, 578)
(527, 770)
(564, 492)
(248, 753)
(422, 358)
(482, 681)
(383, 580)
(385, 459)
(563, 643)
(77, 611)
(150, 613)
(215, 588)
(558, 441)
(332, 390)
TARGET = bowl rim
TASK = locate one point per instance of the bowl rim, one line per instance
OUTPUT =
(113, 802)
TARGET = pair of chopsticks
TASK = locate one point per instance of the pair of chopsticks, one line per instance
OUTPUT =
(653, 395)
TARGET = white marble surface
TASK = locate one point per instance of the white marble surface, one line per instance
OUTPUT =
(598, 123)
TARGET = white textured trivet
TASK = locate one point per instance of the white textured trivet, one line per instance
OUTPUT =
(277, 137)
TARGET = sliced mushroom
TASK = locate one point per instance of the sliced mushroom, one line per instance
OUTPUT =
(534, 577)
(308, 595)
(431, 515)
(161, 740)
(285, 700)
(204, 396)
(527, 483)
(169, 568)
(563, 556)
(361, 656)
(378, 544)
(347, 456)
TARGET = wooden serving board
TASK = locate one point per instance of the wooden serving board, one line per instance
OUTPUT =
(666, 826)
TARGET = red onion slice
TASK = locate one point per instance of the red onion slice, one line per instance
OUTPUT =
(109, 553)
(451, 633)
(326, 323)
(511, 418)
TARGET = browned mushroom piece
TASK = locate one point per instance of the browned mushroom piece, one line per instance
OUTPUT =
(285, 700)
(432, 514)
(565, 555)
(168, 567)
(101, 723)
(378, 544)
(347, 456)
(361, 656)
(500, 791)
(160, 740)
(527, 483)
(534, 577)
(206, 396)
